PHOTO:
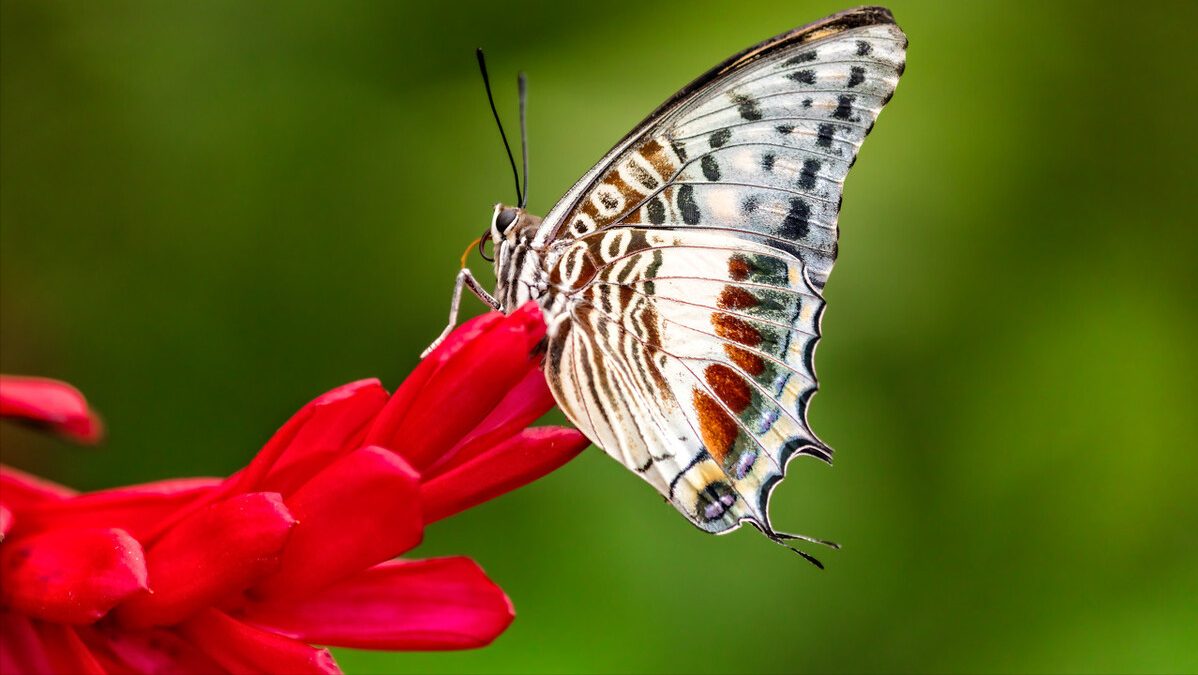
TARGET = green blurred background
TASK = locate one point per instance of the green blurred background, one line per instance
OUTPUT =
(211, 213)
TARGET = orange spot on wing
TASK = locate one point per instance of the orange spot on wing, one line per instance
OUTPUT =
(655, 154)
(631, 194)
(650, 148)
(747, 360)
(716, 426)
(735, 297)
(739, 268)
(737, 330)
(729, 386)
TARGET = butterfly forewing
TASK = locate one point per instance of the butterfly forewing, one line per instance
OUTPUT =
(685, 270)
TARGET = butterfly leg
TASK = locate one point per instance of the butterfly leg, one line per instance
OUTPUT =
(465, 280)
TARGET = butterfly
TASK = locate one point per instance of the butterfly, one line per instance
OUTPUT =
(680, 278)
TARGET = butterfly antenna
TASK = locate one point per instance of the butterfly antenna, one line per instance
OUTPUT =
(482, 65)
(524, 132)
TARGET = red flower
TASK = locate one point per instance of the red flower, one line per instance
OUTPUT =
(244, 574)
(49, 403)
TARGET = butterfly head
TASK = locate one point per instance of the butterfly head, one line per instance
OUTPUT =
(517, 273)
(511, 225)
(505, 221)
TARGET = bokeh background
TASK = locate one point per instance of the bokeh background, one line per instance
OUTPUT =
(210, 213)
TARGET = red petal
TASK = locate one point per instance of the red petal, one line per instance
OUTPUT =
(445, 603)
(249, 478)
(213, 553)
(382, 431)
(5, 521)
(522, 406)
(20, 490)
(71, 576)
(136, 509)
(335, 423)
(156, 650)
(363, 509)
(518, 460)
(469, 386)
(67, 652)
(50, 403)
(21, 648)
(239, 648)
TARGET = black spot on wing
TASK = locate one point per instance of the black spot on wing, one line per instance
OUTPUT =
(687, 205)
(825, 135)
(863, 48)
(807, 103)
(678, 149)
(749, 205)
(795, 226)
(767, 161)
(803, 76)
(656, 211)
(808, 175)
(785, 129)
(856, 76)
(719, 138)
(844, 108)
(747, 107)
(805, 57)
(711, 170)
(642, 176)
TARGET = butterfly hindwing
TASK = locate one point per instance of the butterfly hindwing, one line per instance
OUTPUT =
(687, 357)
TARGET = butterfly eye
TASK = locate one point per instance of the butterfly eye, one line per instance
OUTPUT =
(505, 219)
